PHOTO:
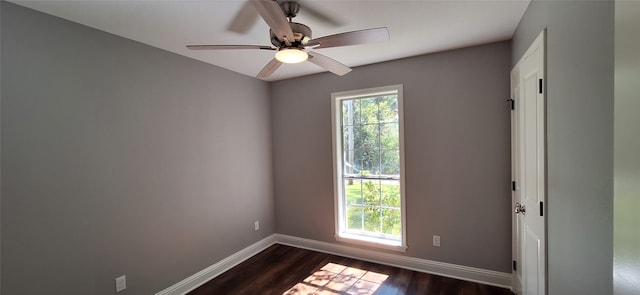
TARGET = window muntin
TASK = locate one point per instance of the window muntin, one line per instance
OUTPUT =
(368, 152)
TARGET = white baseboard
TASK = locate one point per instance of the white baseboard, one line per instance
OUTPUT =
(466, 273)
(218, 268)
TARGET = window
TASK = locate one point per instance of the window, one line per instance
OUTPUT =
(368, 166)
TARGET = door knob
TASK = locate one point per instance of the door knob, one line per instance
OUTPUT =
(520, 209)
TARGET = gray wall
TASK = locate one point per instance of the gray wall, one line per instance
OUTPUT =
(457, 147)
(0, 150)
(119, 158)
(580, 56)
(626, 251)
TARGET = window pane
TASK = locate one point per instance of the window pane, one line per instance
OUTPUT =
(348, 139)
(391, 193)
(350, 112)
(371, 192)
(353, 191)
(354, 217)
(365, 137)
(388, 109)
(389, 136)
(367, 162)
(350, 163)
(369, 110)
(390, 162)
(391, 221)
(372, 219)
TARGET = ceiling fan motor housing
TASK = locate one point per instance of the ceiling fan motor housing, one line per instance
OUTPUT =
(290, 8)
(301, 33)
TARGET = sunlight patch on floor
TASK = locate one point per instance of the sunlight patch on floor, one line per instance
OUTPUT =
(339, 279)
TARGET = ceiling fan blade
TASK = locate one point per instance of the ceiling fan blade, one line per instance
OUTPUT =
(328, 63)
(308, 9)
(275, 18)
(244, 19)
(224, 47)
(271, 67)
(351, 38)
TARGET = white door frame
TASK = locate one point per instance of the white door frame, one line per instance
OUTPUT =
(528, 162)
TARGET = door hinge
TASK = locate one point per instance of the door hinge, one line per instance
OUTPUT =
(513, 186)
(512, 103)
(541, 208)
(515, 265)
(540, 86)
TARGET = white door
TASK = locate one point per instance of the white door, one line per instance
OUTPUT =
(528, 169)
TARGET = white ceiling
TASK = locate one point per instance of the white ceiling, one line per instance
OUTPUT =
(416, 27)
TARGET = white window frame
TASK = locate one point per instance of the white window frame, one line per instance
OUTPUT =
(340, 206)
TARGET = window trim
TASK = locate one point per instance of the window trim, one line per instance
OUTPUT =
(339, 209)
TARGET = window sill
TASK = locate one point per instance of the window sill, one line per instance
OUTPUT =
(371, 242)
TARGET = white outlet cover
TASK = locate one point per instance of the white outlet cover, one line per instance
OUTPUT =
(436, 241)
(121, 283)
(256, 225)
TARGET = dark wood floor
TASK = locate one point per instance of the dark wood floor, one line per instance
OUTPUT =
(287, 270)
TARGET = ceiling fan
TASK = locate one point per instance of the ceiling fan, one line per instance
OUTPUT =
(293, 42)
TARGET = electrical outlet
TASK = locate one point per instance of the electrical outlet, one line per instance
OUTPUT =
(256, 225)
(121, 283)
(436, 241)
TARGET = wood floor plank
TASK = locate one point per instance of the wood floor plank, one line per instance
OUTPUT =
(288, 270)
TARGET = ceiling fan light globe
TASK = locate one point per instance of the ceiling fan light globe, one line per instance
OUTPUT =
(291, 56)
